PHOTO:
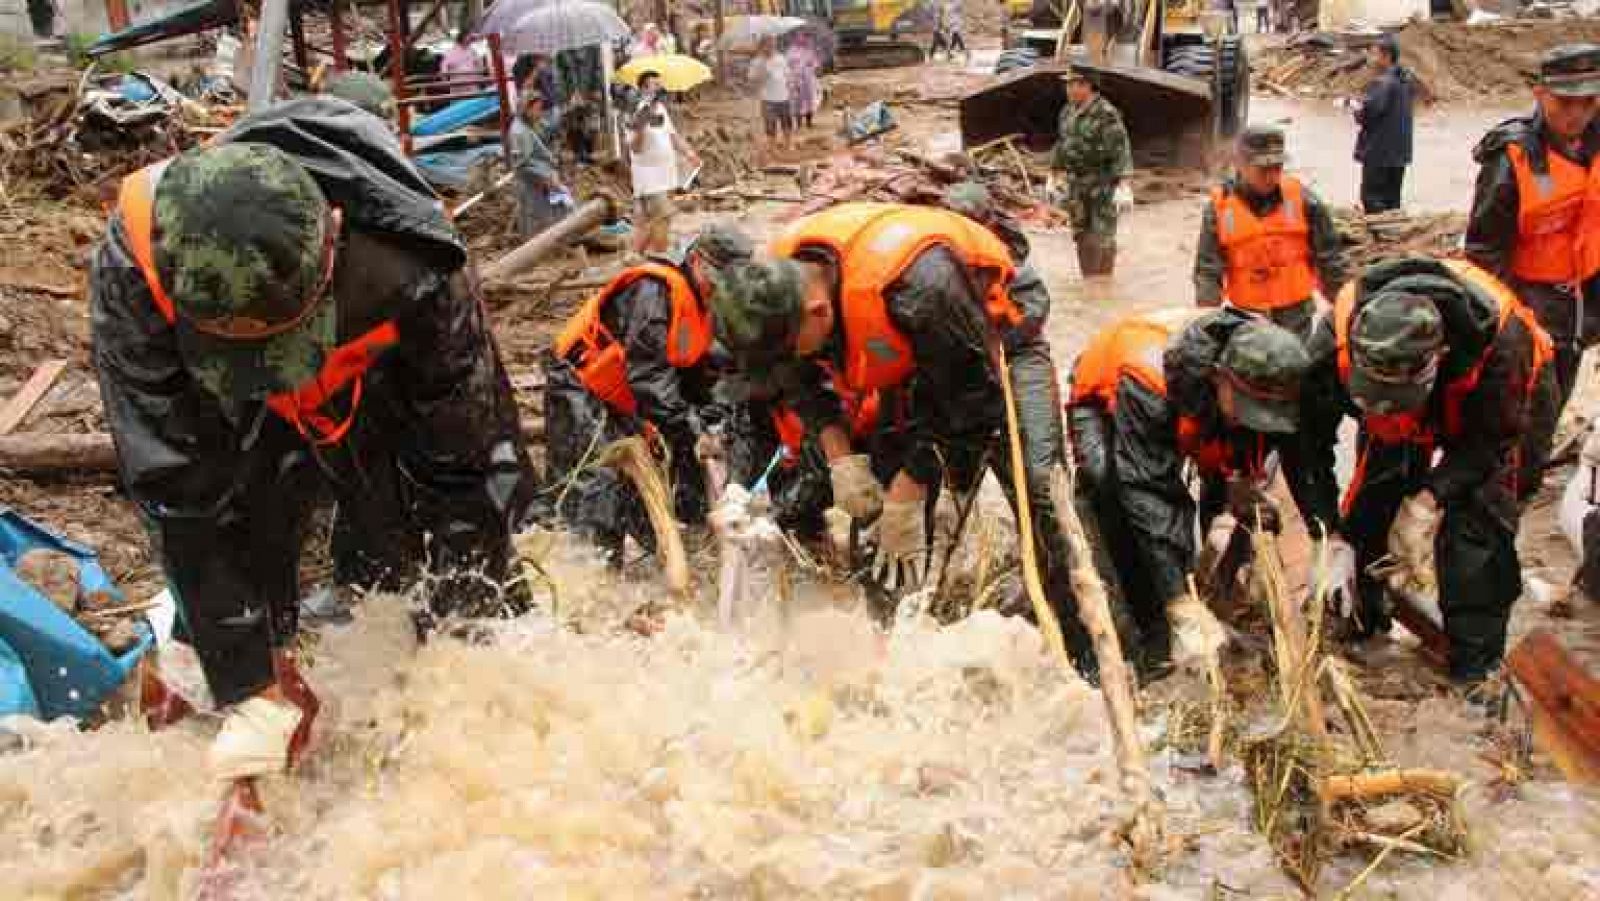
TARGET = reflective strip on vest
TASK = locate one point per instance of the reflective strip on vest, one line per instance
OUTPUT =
(600, 360)
(302, 407)
(1268, 257)
(1550, 208)
(875, 243)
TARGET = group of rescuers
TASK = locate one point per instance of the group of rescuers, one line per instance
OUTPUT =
(287, 315)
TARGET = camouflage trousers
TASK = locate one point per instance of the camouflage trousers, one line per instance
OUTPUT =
(1093, 214)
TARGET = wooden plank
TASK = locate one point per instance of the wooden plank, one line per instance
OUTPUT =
(1565, 702)
(23, 401)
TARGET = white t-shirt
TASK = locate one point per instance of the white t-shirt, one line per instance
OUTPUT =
(655, 164)
(774, 78)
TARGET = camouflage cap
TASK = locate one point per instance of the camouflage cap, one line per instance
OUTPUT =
(756, 310)
(1394, 352)
(1571, 70)
(364, 89)
(1266, 364)
(245, 243)
(722, 244)
(970, 199)
(1262, 145)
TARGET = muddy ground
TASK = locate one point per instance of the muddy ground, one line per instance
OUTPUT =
(43, 316)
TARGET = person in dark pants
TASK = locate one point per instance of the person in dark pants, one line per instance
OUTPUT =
(280, 316)
(1536, 174)
(1442, 367)
(1151, 395)
(1383, 147)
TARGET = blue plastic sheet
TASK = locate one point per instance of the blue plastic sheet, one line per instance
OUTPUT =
(457, 116)
(453, 168)
(68, 671)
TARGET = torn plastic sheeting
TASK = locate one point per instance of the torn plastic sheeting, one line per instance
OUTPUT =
(453, 168)
(69, 671)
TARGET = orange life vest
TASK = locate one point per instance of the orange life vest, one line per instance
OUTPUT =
(1268, 257)
(1412, 427)
(1133, 348)
(1550, 208)
(875, 243)
(1589, 229)
(601, 362)
(302, 407)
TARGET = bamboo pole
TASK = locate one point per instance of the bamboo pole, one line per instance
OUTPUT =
(1146, 830)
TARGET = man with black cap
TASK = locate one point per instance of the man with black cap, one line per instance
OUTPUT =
(1537, 173)
(280, 316)
(1267, 243)
(912, 302)
(1434, 359)
(1092, 151)
(1153, 392)
(1383, 146)
(637, 355)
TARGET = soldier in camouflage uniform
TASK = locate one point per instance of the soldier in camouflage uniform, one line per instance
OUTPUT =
(278, 318)
(1094, 154)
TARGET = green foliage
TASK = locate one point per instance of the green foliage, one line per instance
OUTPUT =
(16, 54)
(77, 49)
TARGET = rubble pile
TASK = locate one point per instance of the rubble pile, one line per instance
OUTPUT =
(1368, 239)
(1452, 62)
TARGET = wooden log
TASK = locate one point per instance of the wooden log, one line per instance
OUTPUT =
(577, 223)
(23, 402)
(1565, 703)
(1388, 782)
(37, 454)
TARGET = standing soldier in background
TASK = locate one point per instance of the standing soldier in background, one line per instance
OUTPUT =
(1266, 242)
(1094, 154)
(1536, 174)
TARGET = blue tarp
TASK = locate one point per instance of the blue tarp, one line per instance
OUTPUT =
(456, 116)
(68, 671)
(453, 168)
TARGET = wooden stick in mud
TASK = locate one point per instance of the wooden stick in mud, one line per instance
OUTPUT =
(1217, 685)
(1297, 683)
(1116, 683)
(1049, 626)
(632, 457)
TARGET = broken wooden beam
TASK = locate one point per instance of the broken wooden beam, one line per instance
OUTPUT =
(36, 454)
(1564, 703)
(23, 402)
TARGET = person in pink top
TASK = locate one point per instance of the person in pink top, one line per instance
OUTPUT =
(805, 91)
(461, 59)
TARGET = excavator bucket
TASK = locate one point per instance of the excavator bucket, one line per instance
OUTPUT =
(1169, 117)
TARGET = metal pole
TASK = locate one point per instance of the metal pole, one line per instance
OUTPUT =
(497, 67)
(341, 60)
(607, 66)
(269, 53)
(397, 70)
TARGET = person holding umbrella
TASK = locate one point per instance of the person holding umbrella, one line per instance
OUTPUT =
(654, 146)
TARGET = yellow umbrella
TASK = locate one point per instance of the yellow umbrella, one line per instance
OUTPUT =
(678, 72)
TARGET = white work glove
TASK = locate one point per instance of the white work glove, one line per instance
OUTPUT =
(1122, 198)
(855, 489)
(838, 523)
(1338, 578)
(901, 561)
(254, 740)
(1411, 539)
(1218, 537)
(1196, 634)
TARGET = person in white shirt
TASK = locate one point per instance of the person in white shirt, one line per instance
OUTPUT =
(769, 73)
(654, 148)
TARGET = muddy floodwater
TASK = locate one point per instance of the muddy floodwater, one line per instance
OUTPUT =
(811, 755)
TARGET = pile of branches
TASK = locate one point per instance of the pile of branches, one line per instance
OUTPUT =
(907, 176)
(76, 141)
(1369, 239)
